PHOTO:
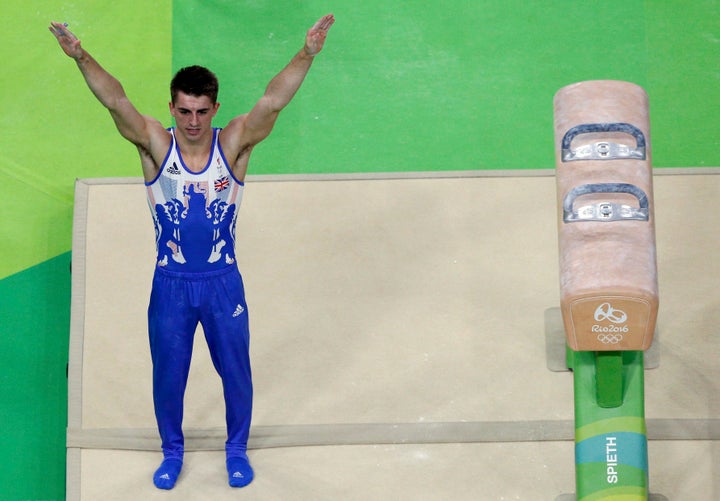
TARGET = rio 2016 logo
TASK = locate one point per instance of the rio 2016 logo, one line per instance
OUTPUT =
(609, 334)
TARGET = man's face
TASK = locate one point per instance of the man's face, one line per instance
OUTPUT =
(193, 115)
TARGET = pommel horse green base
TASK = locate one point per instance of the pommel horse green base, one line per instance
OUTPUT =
(611, 460)
(608, 279)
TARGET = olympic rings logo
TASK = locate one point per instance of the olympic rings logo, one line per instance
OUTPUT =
(610, 338)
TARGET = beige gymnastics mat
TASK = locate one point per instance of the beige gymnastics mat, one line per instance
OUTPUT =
(400, 323)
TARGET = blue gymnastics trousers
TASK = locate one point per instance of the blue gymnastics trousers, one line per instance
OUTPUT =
(216, 300)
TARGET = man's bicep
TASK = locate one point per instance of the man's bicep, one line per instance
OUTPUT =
(261, 120)
(133, 126)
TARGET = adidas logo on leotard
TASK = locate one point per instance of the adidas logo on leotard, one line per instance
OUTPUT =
(173, 169)
(238, 311)
(237, 474)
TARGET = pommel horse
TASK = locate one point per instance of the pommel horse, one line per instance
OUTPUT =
(608, 278)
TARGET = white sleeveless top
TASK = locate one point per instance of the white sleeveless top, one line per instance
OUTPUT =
(195, 213)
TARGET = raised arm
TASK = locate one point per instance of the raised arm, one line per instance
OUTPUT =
(283, 87)
(133, 126)
(245, 131)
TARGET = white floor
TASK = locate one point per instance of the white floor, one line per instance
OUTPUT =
(414, 303)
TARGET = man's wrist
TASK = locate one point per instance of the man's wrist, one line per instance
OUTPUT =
(83, 58)
(305, 52)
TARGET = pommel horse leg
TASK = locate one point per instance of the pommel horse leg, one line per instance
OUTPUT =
(608, 277)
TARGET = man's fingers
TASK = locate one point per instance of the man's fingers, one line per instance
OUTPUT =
(324, 22)
(60, 30)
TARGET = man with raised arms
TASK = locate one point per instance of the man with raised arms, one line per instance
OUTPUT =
(194, 174)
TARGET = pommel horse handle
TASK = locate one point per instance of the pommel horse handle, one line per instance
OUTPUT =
(605, 211)
(603, 150)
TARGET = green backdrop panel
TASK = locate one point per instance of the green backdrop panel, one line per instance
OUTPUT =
(35, 309)
(403, 88)
(35, 227)
(54, 130)
(684, 38)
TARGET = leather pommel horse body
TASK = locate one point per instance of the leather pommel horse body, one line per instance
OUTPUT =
(606, 232)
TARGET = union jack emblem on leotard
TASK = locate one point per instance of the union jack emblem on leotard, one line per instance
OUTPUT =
(221, 184)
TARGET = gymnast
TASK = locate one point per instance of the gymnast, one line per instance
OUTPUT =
(194, 175)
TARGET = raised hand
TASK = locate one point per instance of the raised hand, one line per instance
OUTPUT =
(315, 38)
(68, 42)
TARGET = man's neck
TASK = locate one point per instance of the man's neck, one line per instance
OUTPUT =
(195, 153)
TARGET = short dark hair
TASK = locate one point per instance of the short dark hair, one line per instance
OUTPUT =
(195, 81)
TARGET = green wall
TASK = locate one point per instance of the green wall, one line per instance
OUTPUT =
(35, 309)
(401, 86)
